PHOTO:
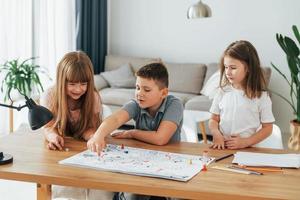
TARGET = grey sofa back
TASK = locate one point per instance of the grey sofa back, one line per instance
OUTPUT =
(113, 62)
(183, 77)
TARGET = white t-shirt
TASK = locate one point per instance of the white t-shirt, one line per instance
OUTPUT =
(239, 114)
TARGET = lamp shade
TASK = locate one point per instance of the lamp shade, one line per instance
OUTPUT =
(38, 116)
(199, 10)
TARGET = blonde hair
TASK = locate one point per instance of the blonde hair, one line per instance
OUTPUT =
(74, 67)
(254, 83)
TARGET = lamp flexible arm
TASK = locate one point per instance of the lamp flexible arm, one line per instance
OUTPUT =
(14, 107)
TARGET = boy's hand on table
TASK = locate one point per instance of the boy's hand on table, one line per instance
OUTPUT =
(236, 142)
(55, 141)
(96, 144)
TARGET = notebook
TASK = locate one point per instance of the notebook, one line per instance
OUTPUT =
(267, 159)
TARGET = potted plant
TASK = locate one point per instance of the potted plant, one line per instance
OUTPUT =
(21, 76)
(293, 60)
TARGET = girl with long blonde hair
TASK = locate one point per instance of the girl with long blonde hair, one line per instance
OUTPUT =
(74, 101)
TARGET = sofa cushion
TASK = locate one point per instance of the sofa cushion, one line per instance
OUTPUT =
(113, 62)
(116, 96)
(187, 78)
(100, 82)
(122, 77)
(211, 69)
(199, 102)
(210, 87)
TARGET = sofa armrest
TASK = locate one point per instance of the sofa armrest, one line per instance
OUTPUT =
(100, 82)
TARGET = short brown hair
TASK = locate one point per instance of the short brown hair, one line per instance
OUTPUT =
(156, 71)
(246, 53)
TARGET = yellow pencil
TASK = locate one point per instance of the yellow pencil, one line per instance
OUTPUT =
(265, 169)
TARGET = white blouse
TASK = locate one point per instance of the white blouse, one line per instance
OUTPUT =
(239, 114)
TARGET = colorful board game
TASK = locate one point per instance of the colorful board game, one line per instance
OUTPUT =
(143, 162)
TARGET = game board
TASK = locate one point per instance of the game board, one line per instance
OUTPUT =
(143, 162)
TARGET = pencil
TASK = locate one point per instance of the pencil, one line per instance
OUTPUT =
(223, 157)
(243, 169)
(265, 169)
(236, 170)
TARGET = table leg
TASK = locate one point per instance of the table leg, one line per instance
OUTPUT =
(43, 192)
(203, 131)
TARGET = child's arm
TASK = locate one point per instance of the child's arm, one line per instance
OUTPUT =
(96, 143)
(88, 134)
(218, 138)
(162, 136)
(55, 141)
(236, 142)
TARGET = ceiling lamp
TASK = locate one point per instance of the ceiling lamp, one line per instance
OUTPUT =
(199, 10)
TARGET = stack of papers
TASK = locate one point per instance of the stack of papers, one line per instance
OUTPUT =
(266, 159)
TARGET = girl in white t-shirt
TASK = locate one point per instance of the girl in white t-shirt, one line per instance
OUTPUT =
(242, 109)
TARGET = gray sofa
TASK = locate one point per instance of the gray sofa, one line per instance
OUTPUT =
(185, 81)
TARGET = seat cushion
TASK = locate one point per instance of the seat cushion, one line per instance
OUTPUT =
(200, 102)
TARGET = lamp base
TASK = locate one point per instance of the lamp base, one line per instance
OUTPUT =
(5, 158)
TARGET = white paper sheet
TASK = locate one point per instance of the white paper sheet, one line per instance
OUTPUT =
(143, 162)
(266, 159)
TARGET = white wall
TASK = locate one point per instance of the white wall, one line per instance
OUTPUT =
(160, 28)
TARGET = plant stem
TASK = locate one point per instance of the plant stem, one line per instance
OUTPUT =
(293, 107)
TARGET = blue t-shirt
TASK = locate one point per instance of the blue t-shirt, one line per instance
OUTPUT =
(171, 109)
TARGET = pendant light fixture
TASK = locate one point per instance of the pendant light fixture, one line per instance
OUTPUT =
(199, 10)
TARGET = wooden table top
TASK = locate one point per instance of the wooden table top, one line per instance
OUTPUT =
(33, 162)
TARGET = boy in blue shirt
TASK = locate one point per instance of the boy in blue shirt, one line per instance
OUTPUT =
(158, 116)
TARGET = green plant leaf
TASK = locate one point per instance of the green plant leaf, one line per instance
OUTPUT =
(292, 52)
(282, 74)
(20, 75)
(296, 33)
(280, 41)
(292, 66)
(291, 46)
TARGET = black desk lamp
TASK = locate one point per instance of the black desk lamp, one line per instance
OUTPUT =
(38, 116)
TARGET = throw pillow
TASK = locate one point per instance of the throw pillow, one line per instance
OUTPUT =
(100, 82)
(211, 86)
(122, 77)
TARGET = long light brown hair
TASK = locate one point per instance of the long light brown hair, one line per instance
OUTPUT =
(254, 83)
(74, 67)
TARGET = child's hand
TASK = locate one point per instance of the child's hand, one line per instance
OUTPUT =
(236, 142)
(218, 141)
(96, 144)
(55, 141)
(123, 134)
